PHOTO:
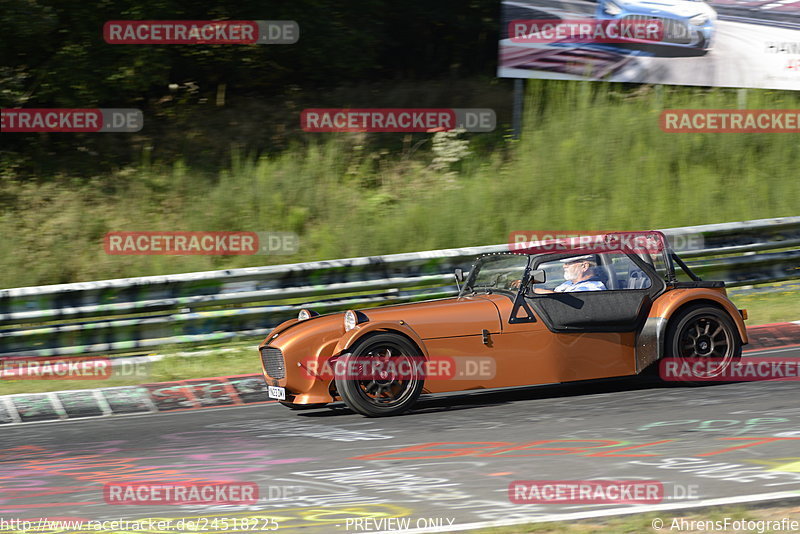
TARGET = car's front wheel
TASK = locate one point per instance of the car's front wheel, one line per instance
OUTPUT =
(383, 392)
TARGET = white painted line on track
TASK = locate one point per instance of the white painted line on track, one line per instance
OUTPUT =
(629, 510)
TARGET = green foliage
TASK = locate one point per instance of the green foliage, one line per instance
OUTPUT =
(594, 159)
(53, 55)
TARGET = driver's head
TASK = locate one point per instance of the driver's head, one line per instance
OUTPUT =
(579, 269)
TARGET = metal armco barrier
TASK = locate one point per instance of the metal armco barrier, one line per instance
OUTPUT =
(134, 400)
(130, 314)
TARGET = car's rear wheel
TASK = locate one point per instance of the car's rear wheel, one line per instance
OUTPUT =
(704, 331)
(385, 394)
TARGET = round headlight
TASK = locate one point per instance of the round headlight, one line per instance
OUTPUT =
(306, 314)
(350, 320)
(612, 9)
(699, 20)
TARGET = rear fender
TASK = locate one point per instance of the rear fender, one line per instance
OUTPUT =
(650, 339)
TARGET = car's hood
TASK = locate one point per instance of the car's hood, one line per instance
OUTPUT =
(443, 318)
(430, 319)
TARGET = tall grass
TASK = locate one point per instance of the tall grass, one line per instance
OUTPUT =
(592, 157)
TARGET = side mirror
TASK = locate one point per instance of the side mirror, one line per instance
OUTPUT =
(537, 277)
(459, 274)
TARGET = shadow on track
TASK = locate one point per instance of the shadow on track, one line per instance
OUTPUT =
(480, 398)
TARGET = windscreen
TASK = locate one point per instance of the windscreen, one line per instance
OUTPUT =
(497, 272)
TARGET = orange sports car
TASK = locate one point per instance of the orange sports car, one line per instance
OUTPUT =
(546, 316)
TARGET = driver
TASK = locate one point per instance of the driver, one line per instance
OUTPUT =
(580, 274)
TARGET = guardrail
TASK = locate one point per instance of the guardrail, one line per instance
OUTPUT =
(136, 314)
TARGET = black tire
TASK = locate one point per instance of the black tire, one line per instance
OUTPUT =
(380, 398)
(703, 331)
(298, 407)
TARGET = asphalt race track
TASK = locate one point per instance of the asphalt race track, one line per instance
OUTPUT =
(448, 462)
(739, 56)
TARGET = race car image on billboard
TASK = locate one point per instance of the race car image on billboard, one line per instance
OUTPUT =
(685, 23)
(718, 43)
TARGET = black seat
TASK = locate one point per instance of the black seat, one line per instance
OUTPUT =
(607, 275)
(637, 279)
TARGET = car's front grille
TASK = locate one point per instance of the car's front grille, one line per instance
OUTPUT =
(273, 362)
(675, 31)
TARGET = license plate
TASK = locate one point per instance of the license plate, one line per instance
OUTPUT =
(277, 393)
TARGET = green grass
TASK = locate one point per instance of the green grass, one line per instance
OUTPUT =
(233, 359)
(776, 306)
(592, 157)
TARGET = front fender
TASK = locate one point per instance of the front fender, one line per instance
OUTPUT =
(349, 338)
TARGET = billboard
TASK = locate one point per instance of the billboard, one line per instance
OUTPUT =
(722, 43)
